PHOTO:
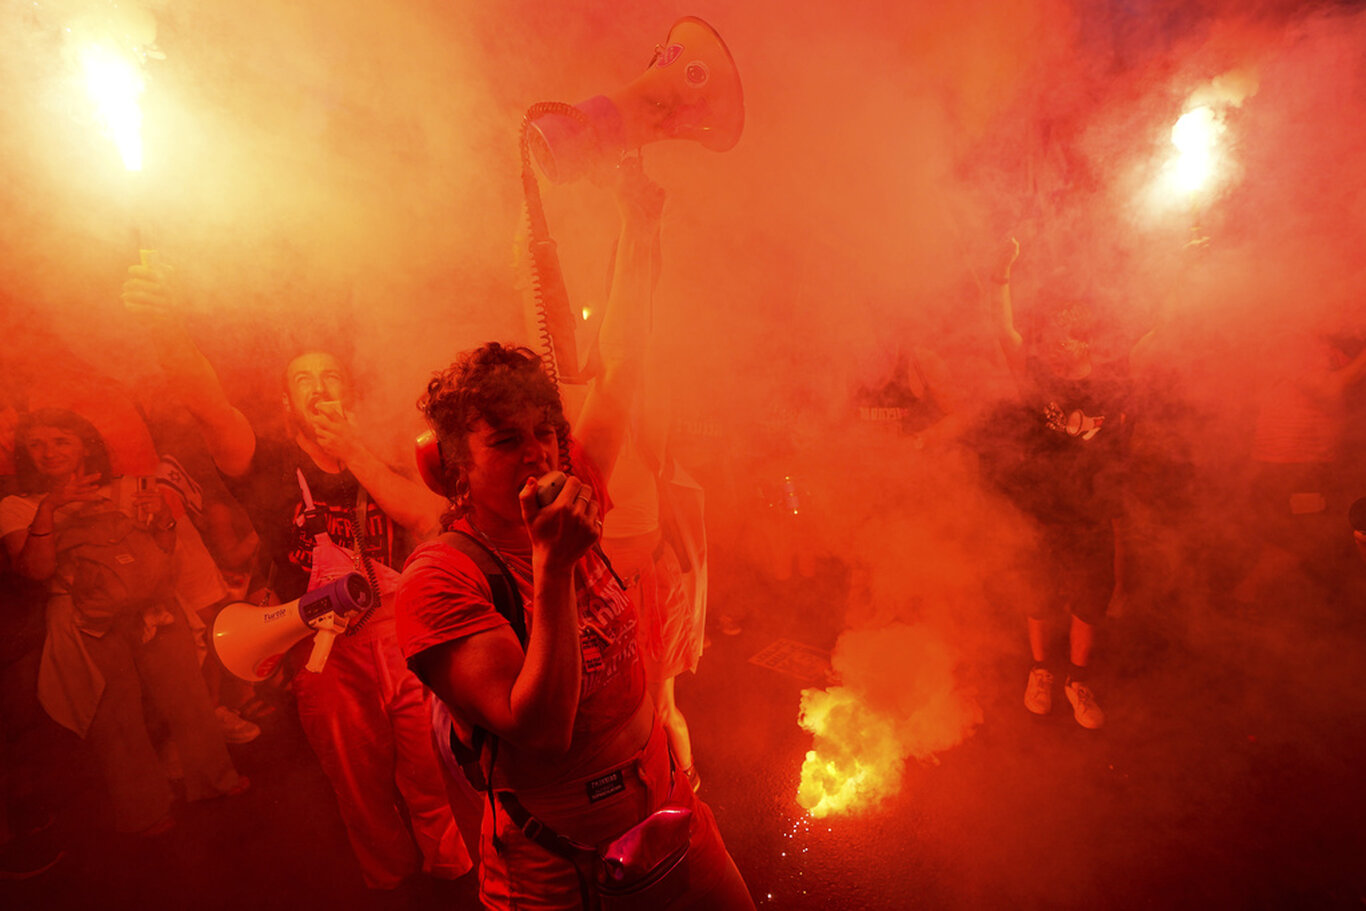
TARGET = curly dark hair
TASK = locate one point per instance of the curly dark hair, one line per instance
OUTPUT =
(29, 480)
(493, 382)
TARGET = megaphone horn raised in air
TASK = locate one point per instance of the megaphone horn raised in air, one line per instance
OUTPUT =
(690, 91)
(251, 639)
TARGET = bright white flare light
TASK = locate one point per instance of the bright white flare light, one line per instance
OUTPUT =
(1195, 135)
(114, 81)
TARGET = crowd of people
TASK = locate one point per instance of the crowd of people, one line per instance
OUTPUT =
(531, 606)
(557, 703)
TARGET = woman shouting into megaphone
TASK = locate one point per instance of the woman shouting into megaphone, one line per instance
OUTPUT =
(515, 620)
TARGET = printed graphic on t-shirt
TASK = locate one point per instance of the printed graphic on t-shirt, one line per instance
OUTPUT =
(607, 629)
(1073, 422)
(337, 522)
(882, 414)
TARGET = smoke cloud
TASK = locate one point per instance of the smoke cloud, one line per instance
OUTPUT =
(347, 176)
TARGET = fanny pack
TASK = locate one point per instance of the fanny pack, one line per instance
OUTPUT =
(647, 866)
(643, 869)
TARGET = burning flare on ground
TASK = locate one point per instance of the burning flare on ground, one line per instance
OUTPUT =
(899, 699)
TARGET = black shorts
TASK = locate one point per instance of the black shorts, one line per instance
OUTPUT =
(1079, 559)
(1069, 568)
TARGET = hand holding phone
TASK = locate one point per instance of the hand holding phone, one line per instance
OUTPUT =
(548, 487)
(138, 498)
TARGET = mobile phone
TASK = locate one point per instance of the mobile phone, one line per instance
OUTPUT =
(131, 493)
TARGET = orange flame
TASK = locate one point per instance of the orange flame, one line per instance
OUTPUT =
(114, 81)
(862, 766)
(900, 700)
(1195, 135)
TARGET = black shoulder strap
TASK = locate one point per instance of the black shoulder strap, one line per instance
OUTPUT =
(507, 598)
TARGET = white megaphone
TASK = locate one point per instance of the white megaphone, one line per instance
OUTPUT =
(690, 91)
(252, 639)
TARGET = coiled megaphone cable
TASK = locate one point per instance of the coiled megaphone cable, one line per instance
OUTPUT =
(554, 318)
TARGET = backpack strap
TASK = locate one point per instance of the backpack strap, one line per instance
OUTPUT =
(507, 600)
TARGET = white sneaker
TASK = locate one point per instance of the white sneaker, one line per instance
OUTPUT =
(1039, 691)
(236, 729)
(1084, 707)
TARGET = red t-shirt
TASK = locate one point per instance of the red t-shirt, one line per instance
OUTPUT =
(443, 596)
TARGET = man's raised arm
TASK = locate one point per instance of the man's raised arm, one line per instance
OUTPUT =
(151, 296)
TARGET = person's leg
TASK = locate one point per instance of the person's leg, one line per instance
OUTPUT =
(226, 693)
(720, 887)
(1081, 636)
(1039, 633)
(1038, 696)
(1078, 689)
(29, 845)
(675, 726)
(172, 679)
(1021, 586)
(715, 884)
(21, 716)
(343, 717)
(417, 772)
(138, 789)
(1042, 604)
(1092, 552)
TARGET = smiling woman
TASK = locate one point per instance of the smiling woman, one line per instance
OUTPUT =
(58, 453)
(115, 629)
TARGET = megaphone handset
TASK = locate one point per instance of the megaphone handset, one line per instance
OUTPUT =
(548, 487)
